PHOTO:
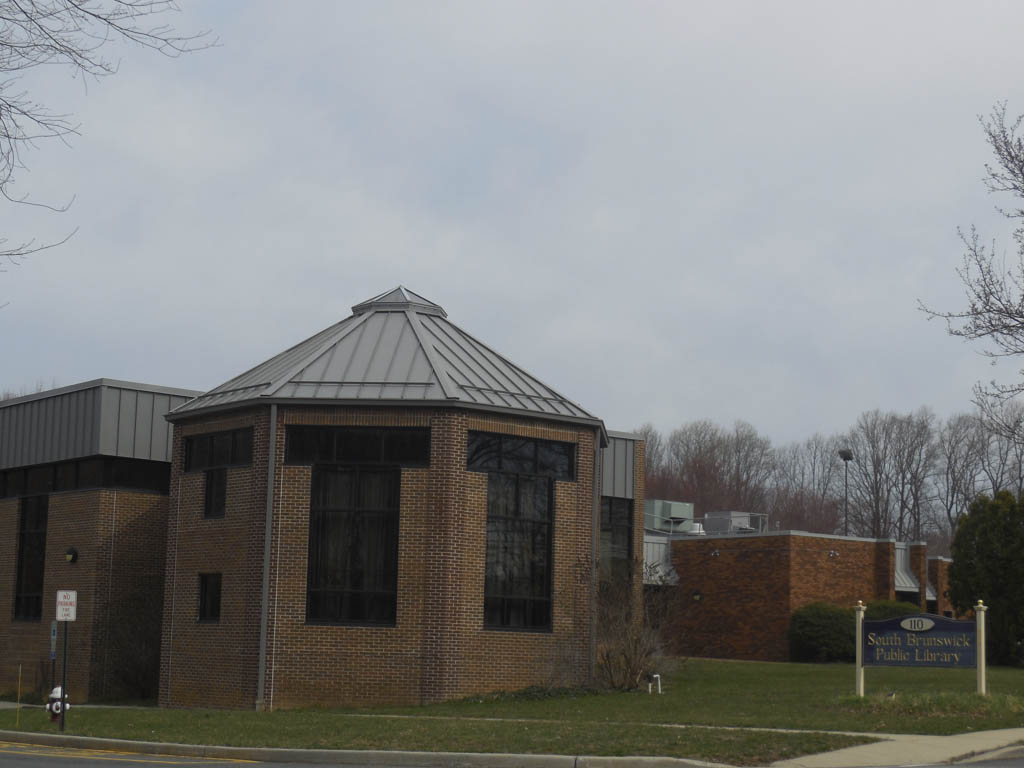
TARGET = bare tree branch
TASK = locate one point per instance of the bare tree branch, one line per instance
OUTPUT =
(74, 34)
(994, 290)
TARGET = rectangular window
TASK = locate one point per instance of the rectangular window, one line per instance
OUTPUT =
(517, 578)
(219, 449)
(40, 480)
(80, 474)
(403, 446)
(353, 545)
(489, 452)
(209, 597)
(616, 538)
(28, 591)
(216, 492)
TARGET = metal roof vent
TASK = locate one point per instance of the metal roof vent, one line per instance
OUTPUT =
(401, 299)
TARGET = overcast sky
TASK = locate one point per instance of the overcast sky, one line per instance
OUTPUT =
(666, 211)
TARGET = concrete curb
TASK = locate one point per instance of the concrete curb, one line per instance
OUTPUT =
(1014, 752)
(350, 756)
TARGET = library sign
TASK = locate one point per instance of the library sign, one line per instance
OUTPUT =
(921, 641)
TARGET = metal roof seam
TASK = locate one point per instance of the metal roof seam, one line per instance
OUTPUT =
(418, 329)
(496, 375)
(296, 369)
(534, 378)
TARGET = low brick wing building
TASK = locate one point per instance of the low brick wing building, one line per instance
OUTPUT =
(388, 512)
(84, 474)
(740, 590)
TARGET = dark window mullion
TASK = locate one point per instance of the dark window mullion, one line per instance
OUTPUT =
(359, 587)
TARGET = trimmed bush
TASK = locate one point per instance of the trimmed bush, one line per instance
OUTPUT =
(890, 609)
(821, 632)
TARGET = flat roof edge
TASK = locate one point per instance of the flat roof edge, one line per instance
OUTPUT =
(802, 534)
(97, 383)
(175, 416)
(624, 435)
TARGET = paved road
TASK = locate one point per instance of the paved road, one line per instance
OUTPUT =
(13, 755)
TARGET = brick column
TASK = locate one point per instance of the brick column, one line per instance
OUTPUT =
(443, 579)
(885, 573)
(919, 567)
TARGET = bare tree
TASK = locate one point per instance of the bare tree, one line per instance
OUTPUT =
(750, 461)
(913, 461)
(871, 492)
(960, 447)
(806, 487)
(697, 462)
(720, 470)
(74, 34)
(995, 291)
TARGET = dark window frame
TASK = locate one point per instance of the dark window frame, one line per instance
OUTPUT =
(529, 605)
(498, 452)
(215, 493)
(309, 445)
(210, 592)
(88, 473)
(28, 601)
(200, 450)
(348, 601)
(614, 567)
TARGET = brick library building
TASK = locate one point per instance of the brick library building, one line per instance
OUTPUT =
(389, 512)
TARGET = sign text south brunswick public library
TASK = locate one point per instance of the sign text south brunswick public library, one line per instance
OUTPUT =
(920, 641)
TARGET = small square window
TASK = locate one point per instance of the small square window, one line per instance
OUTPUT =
(209, 597)
(216, 492)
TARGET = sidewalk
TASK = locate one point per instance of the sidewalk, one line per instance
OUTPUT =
(895, 749)
(911, 749)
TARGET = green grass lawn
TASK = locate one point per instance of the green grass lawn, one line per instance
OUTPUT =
(804, 696)
(698, 693)
(326, 729)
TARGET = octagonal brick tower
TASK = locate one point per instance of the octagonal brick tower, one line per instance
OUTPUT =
(427, 530)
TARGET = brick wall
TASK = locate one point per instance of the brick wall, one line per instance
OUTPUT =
(735, 597)
(919, 567)
(438, 647)
(111, 651)
(749, 586)
(938, 577)
(214, 663)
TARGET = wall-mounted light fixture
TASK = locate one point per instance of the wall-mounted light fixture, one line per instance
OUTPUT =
(71, 556)
(714, 553)
(697, 596)
(833, 553)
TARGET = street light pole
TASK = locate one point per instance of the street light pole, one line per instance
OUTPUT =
(846, 455)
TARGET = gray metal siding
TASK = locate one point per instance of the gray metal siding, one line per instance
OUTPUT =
(617, 468)
(49, 429)
(102, 419)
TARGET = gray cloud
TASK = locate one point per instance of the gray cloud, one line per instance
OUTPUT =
(667, 211)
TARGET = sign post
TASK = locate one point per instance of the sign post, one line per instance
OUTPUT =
(979, 614)
(67, 611)
(53, 654)
(859, 683)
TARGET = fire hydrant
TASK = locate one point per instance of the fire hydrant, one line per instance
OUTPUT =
(54, 703)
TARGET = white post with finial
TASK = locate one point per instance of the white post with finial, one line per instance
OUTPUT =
(859, 684)
(979, 614)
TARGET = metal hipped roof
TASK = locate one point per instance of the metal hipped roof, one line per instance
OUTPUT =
(396, 348)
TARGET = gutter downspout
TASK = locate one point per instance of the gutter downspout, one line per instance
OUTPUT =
(595, 542)
(261, 669)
